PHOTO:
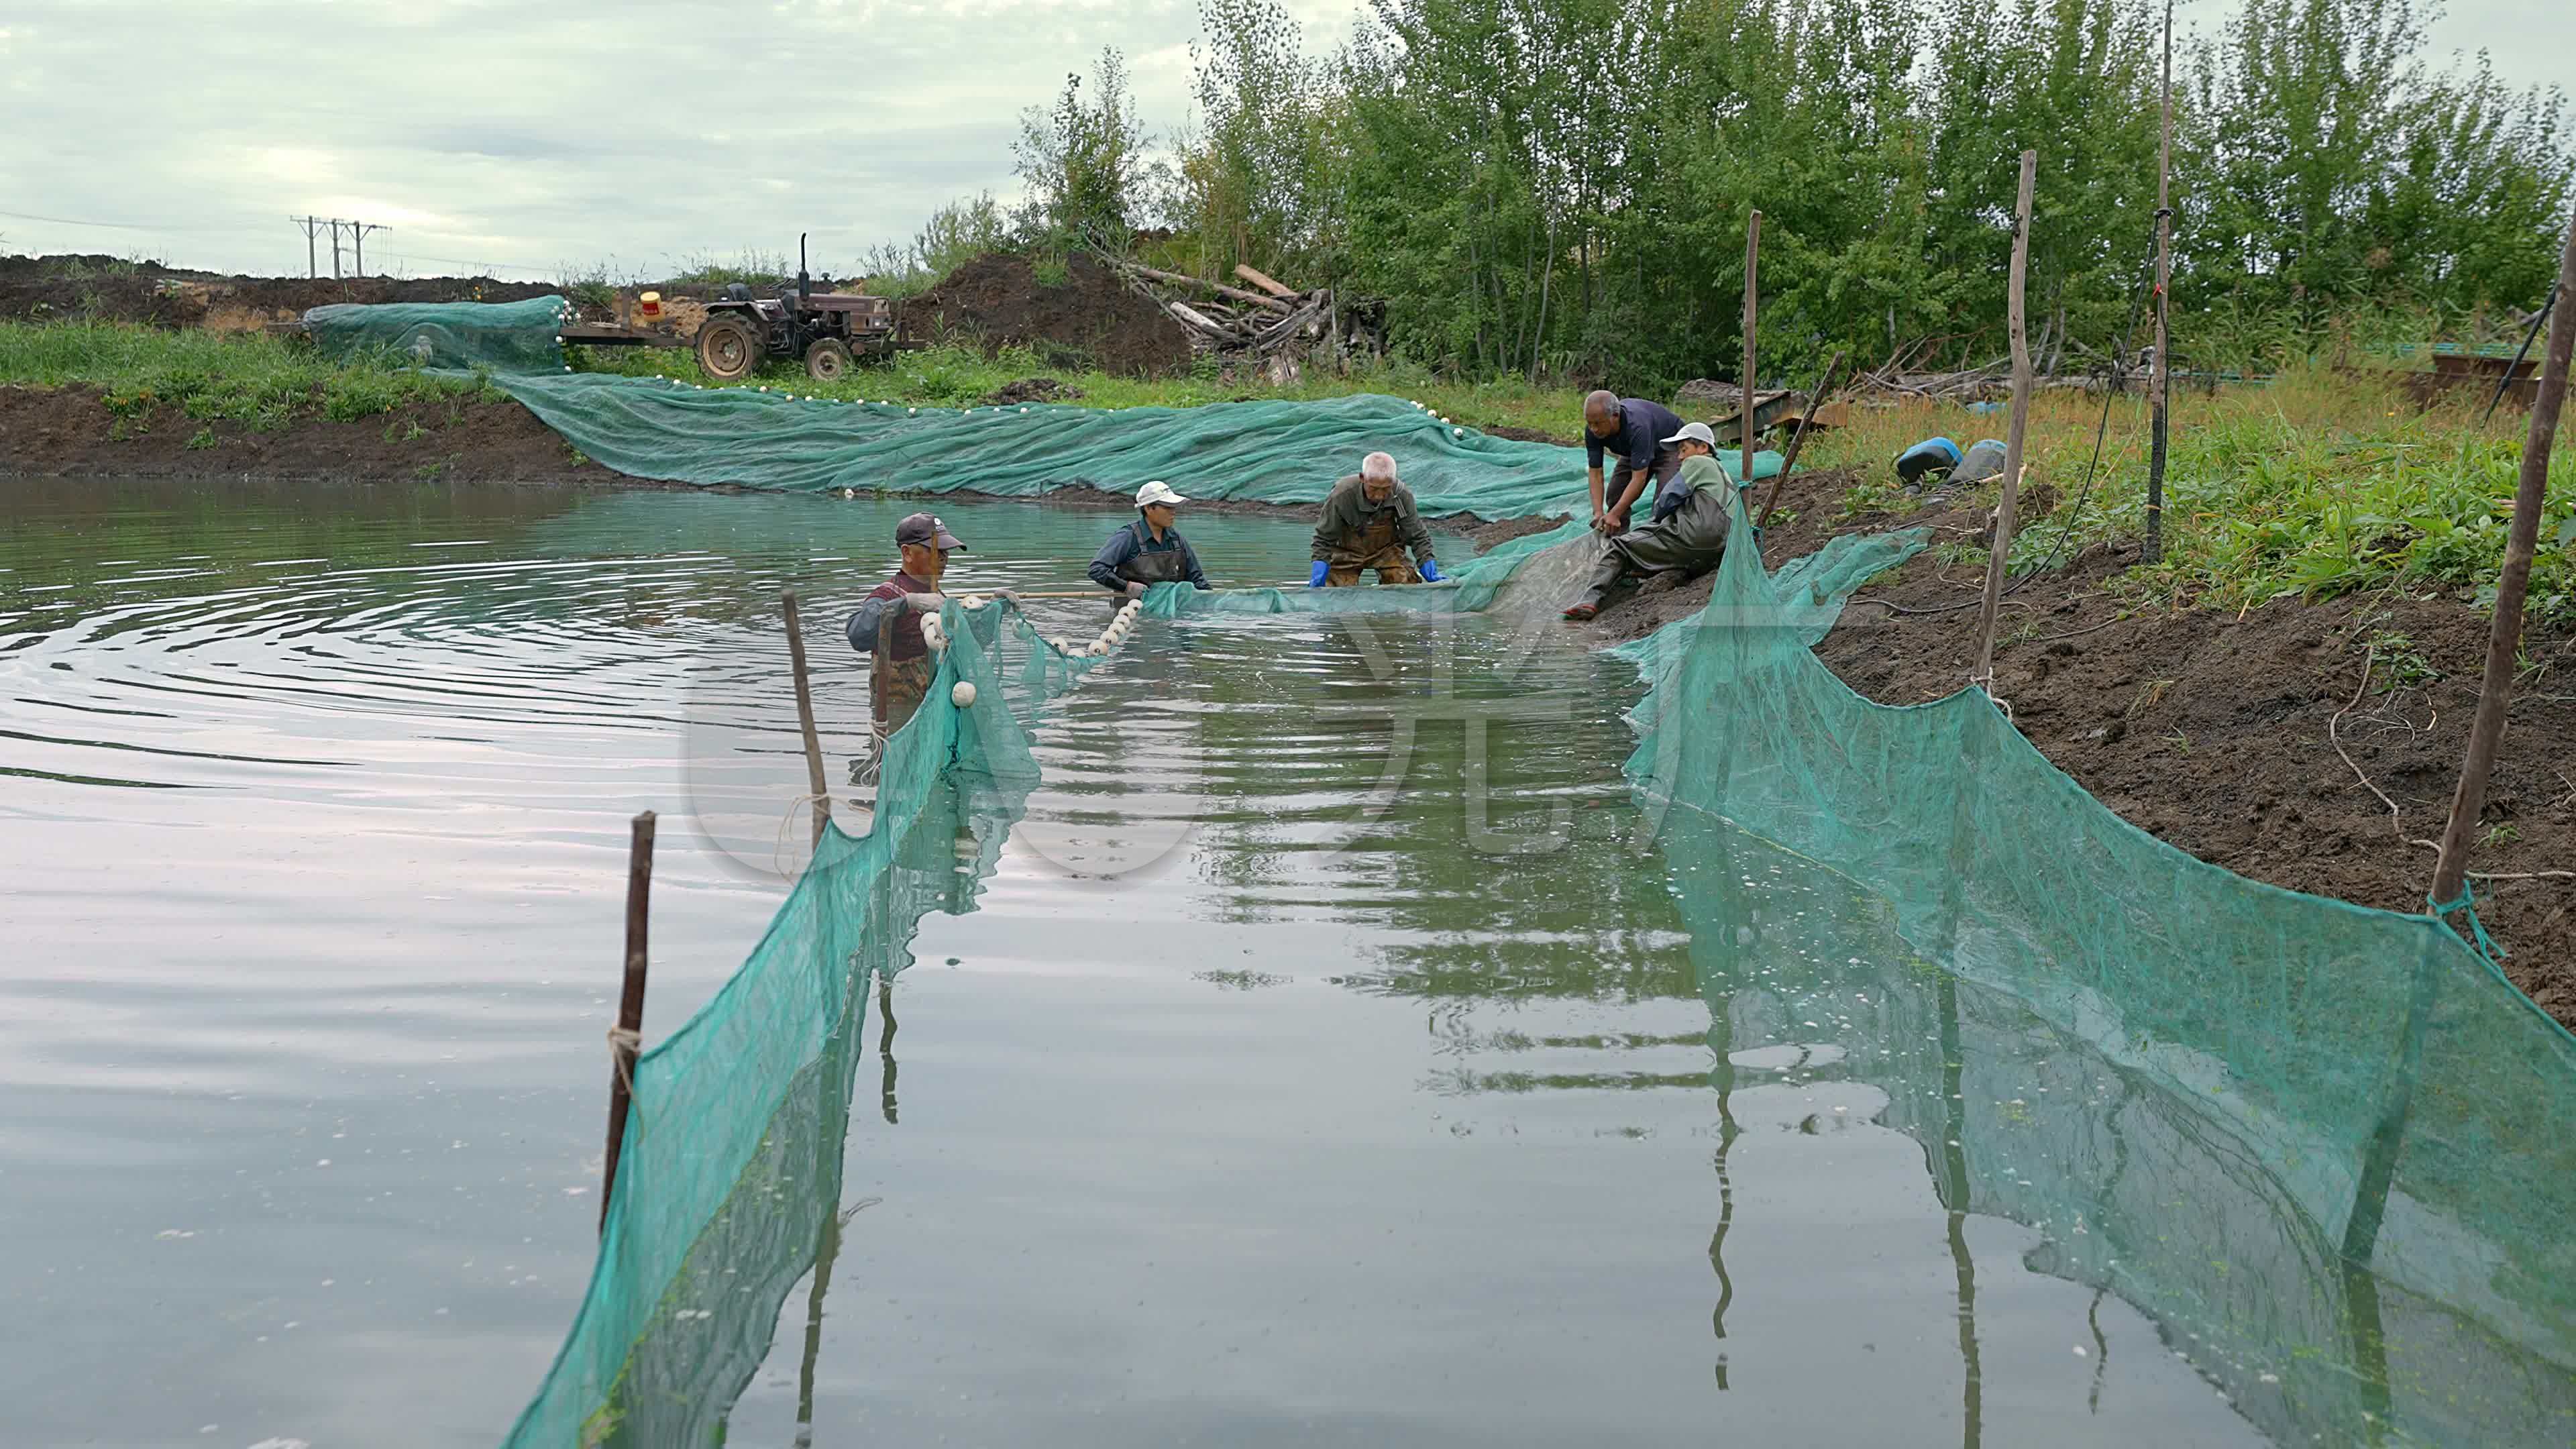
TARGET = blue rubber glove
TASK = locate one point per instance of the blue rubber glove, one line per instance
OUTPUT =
(1315, 580)
(1430, 571)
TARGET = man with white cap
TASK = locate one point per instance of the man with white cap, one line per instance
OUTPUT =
(887, 628)
(1150, 550)
(1688, 526)
(1369, 521)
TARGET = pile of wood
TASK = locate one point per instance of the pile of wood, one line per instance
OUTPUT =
(1265, 321)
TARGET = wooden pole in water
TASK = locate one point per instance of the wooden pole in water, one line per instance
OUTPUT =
(2001, 551)
(1752, 311)
(1798, 440)
(623, 1042)
(2505, 636)
(2155, 545)
(816, 789)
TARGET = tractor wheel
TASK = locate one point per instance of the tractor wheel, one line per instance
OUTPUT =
(727, 350)
(827, 360)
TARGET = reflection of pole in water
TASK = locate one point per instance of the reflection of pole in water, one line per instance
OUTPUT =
(1721, 1040)
(885, 1046)
(1954, 1196)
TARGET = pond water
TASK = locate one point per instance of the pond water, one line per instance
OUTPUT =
(1299, 1077)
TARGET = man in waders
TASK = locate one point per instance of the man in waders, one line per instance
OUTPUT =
(1642, 433)
(1369, 522)
(1688, 526)
(1149, 551)
(888, 631)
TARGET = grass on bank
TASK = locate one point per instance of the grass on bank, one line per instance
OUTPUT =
(240, 377)
(2323, 482)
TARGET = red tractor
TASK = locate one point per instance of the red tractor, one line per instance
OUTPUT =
(826, 329)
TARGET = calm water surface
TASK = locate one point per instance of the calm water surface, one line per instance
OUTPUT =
(1303, 1076)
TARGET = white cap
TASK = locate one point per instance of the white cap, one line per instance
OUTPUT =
(1697, 433)
(1157, 491)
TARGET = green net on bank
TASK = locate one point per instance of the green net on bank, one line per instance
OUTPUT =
(2328, 1148)
(774, 435)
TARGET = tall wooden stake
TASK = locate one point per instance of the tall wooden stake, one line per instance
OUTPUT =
(1798, 439)
(2155, 546)
(2505, 637)
(630, 1004)
(1752, 254)
(815, 785)
(2001, 553)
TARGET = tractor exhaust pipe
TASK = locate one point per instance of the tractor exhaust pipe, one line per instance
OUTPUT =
(804, 282)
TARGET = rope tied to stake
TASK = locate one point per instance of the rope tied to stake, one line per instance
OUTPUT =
(2477, 940)
(622, 1048)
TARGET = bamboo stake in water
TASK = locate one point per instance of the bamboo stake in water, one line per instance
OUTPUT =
(814, 779)
(2163, 384)
(2504, 638)
(1752, 254)
(2001, 552)
(623, 1042)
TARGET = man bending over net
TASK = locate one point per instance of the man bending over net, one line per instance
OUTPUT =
(1688, 527)
(1369, 520)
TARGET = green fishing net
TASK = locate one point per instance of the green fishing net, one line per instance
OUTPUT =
(2326, 1147)
(777, 436)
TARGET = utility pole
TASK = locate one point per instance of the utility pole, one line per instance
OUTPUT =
(336, 224)
(358, 238)
(312, 228)
(2163, 385)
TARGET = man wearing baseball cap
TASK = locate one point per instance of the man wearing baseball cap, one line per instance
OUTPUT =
(1150, 550)
(1688, 527)
(887, 630)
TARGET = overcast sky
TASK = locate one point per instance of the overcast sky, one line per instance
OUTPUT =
(522, 137)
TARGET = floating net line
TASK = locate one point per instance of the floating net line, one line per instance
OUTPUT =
(2327, 1147)
(776, 436)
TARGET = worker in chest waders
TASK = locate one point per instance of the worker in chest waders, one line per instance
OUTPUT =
(887, 628)
(1150, 550)
(1687, 528)
(1370, 522)
(1641, 433)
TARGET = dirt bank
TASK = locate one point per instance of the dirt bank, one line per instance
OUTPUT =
(69, 431)
(91, 289)
(1089, 319)
(2211, 730)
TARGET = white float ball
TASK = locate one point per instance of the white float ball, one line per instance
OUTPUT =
(962, 694)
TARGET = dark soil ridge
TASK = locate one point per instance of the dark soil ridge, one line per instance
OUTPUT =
(2206, 729)
(2209, 730)
(1090, 318)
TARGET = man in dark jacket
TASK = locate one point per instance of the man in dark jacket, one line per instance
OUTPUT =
(1636, 429)
(888, 631)
(1149, 551)
(1691, 519)
(1369, 522)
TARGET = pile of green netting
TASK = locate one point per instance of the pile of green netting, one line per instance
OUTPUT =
(777, 436)
(2337, 1164)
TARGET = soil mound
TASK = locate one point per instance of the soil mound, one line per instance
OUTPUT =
(1091, 318)
(104, 289)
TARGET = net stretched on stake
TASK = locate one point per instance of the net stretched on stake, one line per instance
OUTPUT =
(2328, 1148)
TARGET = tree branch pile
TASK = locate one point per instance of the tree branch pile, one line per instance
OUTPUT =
(1263, 321)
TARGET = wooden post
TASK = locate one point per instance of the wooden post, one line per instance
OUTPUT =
(623, 1042)
(1744, 407)
(2505, 636)
(1798, 439)
(2001, 552)
(2163, 385)
(1271, 285)
(817, 790)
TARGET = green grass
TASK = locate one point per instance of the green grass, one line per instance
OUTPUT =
(242, 377)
